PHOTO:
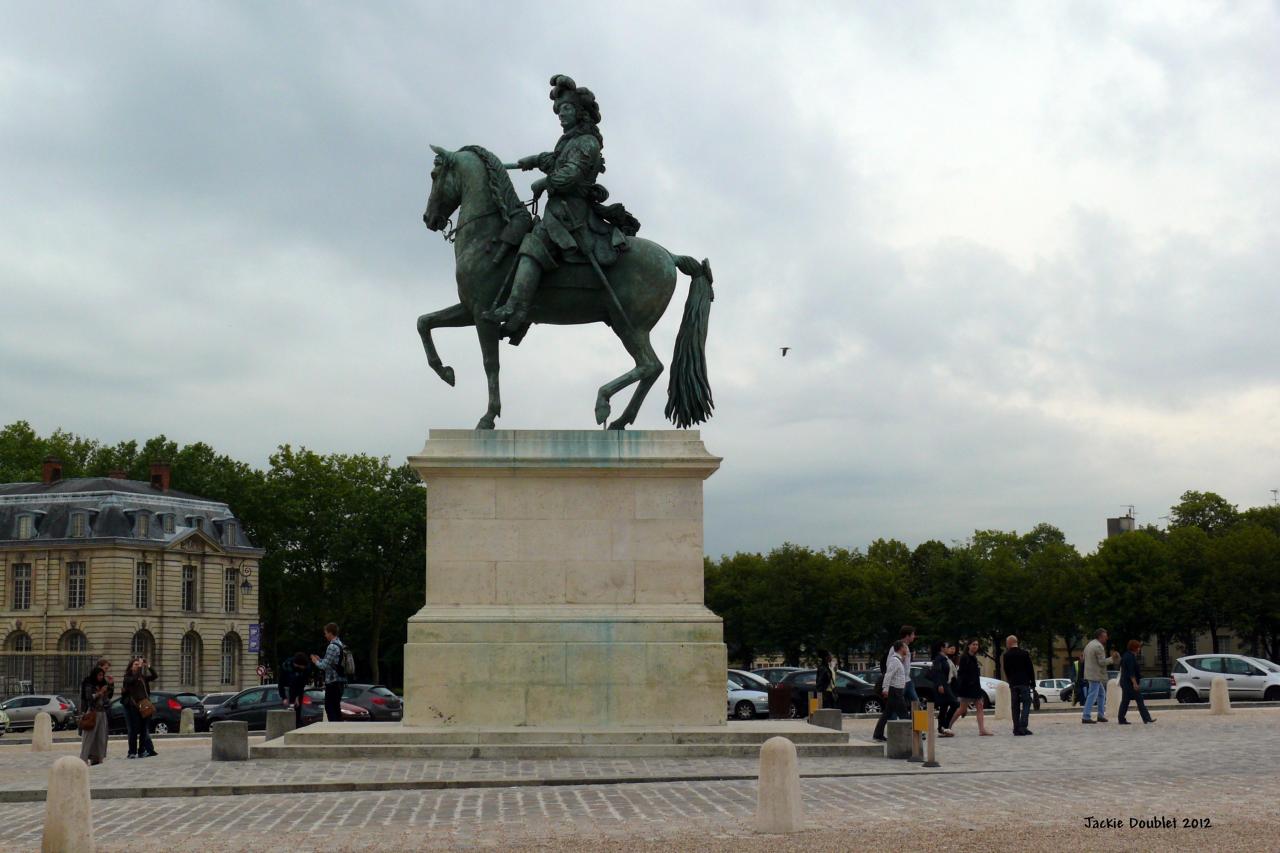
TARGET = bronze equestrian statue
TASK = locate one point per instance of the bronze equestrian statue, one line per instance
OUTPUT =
(580, 262)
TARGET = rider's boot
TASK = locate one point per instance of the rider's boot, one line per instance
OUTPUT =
(513, 317)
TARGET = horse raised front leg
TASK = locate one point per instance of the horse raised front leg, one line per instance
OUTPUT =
(488, 334)
(452, 317)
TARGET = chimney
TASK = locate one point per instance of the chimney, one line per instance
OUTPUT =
(51, 471)
(160, 476)
(118, 474)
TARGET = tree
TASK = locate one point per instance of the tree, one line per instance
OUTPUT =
(1206, 510)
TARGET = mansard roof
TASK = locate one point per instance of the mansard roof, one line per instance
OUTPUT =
(111, 509)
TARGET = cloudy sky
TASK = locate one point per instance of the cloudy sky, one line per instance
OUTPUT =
(1025, 254)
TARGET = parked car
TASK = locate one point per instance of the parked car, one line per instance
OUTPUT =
(252, 705)
(382, 704)
(22, 711)
(354, 713)
(213, 700)
(924, 687)
(1246, 677)
(1156, 687)
(744, 704)
(4, 723)
(775, 674)
(167, 718)
(749, 680)
(1050, 689)
(853, 695)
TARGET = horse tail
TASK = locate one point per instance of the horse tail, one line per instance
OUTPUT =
(688, 391)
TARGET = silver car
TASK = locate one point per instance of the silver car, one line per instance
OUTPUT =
(22, 711)
(1247, 678)
(746, 704)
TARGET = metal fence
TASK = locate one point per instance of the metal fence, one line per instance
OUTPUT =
(44, 672)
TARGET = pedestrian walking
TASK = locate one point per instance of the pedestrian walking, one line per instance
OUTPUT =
(1078, 685)
(138, 708)
(1131, 684)
(826, 679)
(1021, 675)
(1095, 675)
(895, 684)
(95, 697)
(335, 674)
(295, 674)
(906, 634)
(944, 695)
(970, 688)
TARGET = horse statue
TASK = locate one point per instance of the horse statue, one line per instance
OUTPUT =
(491, 219)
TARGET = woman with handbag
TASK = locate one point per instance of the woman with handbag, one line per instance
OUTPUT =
(138, 708)
(95, 697)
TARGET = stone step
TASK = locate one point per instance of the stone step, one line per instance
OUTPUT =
(549, 751)
(532, 736)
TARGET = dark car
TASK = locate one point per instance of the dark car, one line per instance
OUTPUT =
(775, 674)
(1155, 688)
(853, 695)
(382, 704)
(167, 718)
(253, 704)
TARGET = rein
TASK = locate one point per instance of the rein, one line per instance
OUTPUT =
(450, 233)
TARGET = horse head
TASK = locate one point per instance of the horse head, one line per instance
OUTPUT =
(446, 194)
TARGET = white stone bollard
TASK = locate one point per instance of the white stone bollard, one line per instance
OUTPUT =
(779, 808)
(279, 721)
(1113, 698)
(187, 722)
(1219, 697)
(230, 741)
(1004, 701)
(42, 734)
(68, 818)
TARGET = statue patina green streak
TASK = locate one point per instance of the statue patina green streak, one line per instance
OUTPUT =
(580, 262)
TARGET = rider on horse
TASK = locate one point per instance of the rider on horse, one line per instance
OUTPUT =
(575, 221)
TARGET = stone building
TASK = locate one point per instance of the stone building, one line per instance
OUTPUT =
(110, 567)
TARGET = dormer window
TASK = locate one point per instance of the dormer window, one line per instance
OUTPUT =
(26, 527)
(229, 532)
(197, 522)
(168, 522)
(144, 526)
(79, 525)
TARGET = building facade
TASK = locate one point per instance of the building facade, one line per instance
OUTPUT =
(114, 568)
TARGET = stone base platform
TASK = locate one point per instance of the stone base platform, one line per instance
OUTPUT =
(337, 741)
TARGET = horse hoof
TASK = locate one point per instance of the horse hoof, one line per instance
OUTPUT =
(619, 425)
(485, 423)
(602, 412)
(447, 375)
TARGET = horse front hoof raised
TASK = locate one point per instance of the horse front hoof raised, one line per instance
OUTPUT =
(446, 373)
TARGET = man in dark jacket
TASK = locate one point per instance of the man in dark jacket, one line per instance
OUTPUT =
(1021, 676)
(826, 680)
(1131, 684)
(295, 675)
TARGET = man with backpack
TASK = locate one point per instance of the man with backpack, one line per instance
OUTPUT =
(337, 665)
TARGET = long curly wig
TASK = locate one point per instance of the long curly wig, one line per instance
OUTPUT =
(564, 89)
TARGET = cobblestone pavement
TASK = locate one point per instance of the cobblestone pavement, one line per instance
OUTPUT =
(999, 793)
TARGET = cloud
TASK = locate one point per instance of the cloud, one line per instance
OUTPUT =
(1024, 258)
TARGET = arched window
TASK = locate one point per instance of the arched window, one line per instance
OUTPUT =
(143, 645)
(76, 660)
(18, 663)
(189, 660)
(230, 660)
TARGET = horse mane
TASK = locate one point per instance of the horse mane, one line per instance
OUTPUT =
(501, 190)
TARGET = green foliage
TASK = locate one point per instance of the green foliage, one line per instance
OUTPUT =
(1206, 510)
(343, 535)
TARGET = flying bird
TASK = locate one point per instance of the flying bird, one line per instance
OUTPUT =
(784, 351)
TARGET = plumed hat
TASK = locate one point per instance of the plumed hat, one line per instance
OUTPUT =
(564, 89)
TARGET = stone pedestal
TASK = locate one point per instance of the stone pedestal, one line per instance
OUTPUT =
(564, 582)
